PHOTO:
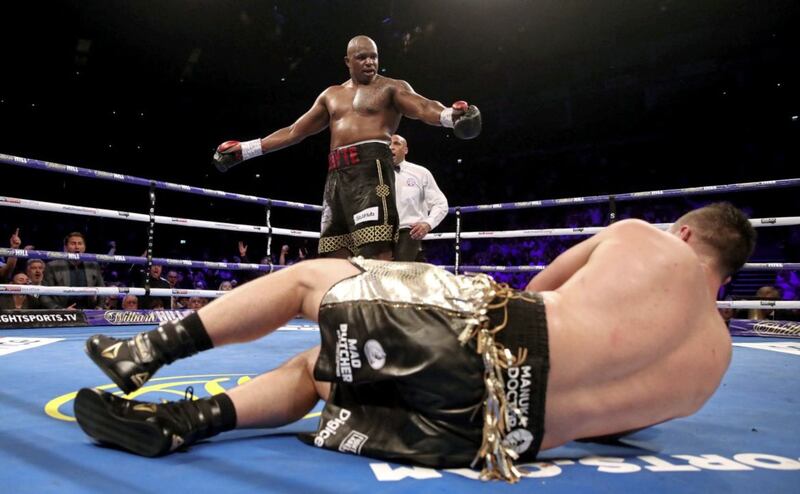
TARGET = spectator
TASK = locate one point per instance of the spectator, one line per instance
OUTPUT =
(130, 302)
(7, 267)
(764, 293)
(196, 303)
(156, 281)
(421, 205)
(172, 278)
(249, 275)
(35, 271)
(11, 302)
(225, 286)
(727, 313)
(112, 303)
(285, 258)
(63, 272)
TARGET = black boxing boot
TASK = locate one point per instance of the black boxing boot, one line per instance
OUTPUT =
(152, 429)
(131, 362)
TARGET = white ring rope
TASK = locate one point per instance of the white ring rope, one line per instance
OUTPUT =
(169, 220)
(164, 220)
(758, 304)
(268, 268)
(137, 260)
(105, 291)
(591, 230)
(627, 196)
(176, 292)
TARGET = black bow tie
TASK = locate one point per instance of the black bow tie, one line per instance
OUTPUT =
(397, 168)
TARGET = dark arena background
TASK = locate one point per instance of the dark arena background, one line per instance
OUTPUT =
(579, 99)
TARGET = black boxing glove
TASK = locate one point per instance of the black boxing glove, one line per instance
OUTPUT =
(468, 125)
(465, 120)
(231, 153)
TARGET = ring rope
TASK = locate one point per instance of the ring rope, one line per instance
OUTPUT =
(103, 291)
(590, 230)
(630, 196)
(268, 268)
(106, 291)
(129, 179)
(163, 220)
(139, 260)
(170, 220)
(750, 266)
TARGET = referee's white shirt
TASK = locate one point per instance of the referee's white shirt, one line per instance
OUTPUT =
(418, 197)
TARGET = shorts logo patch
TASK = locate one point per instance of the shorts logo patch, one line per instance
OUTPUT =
(347, 357)
(375, 354)
(331, 428)
(369, 214)
(353, 443)
(518, 394)
(519, 440)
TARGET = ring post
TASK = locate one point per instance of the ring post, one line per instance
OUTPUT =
(458, 239)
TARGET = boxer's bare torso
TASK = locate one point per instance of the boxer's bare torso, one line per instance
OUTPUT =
(635, 337)
(358, 112)
(366, 107)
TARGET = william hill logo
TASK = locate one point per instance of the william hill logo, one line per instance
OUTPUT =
(142, 317)
(127, 317)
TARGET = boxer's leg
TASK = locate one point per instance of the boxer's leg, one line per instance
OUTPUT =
(250, 311)
(281, 396)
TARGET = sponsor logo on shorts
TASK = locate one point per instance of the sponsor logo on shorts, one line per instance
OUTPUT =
(347, 357)
(376, 357)
(331, 428)
(519, 440)
(369, 214)
(353, 443)
(518, 395)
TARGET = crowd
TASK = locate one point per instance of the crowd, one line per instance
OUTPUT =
(482, 252)
(69, 272)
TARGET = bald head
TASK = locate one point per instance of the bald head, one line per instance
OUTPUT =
(399, 148)
(360, 42)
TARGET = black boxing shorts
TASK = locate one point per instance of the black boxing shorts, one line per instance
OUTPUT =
(404, 389)
(358, 208)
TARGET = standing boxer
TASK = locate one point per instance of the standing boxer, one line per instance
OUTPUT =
(359, 212)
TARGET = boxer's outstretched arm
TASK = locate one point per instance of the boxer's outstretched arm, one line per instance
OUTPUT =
(314, 121)
(417, 107)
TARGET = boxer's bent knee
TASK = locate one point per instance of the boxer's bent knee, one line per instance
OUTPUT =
(316, 277)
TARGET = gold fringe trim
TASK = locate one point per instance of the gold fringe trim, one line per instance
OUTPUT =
(498, 459)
